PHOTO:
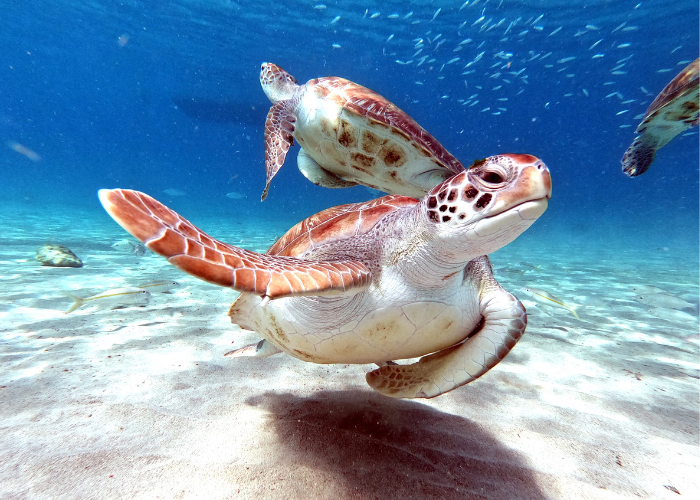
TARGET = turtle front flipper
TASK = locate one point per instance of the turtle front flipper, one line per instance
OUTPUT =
(194, 252)
(279, 130)
(639, 156)
(318, 175)
(504, 322)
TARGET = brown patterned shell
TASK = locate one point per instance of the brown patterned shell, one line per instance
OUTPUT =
(683, 84)
(337, 223)
(366, 102)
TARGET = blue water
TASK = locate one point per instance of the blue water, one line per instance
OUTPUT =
(100, 90)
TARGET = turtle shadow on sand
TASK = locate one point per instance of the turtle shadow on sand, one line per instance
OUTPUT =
(358, 444)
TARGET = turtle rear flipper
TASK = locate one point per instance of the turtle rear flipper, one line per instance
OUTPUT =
(504, 322)
(191, 250)
(319, 175)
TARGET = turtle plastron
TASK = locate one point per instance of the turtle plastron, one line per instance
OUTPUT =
(504, 322)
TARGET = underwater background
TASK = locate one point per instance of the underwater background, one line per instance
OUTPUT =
(165, 95)
(599, 399)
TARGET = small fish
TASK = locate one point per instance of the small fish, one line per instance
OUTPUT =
(556, 31)
(464, 5)
(622, 112)
(478, 20)
(319, 6)
(408, 15)
(619, 27)
(335, 46)
(630, 28)
(160, 286)
(466, 40)
(399, 61)
(375, 15)
(536, 20)
(335, 19)
(619, 72)
(116, 297)
(392, 16)
(664, 300)
(598, 56)
(595, 44)
(665, 70)
(547, 298)
(644, 90)
(23, 150)
(592, 27)
(436, 13)
(129, 246)
(566, 59)
(624, 45)
(234, 195)
(174, 192)
(453, 60)
(390, 37)
(585, 92)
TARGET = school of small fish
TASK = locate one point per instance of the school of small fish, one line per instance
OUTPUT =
(494, 54)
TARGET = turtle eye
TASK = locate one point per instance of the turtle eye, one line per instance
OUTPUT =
(492, 177)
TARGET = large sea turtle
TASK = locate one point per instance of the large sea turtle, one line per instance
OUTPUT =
(674, 110)
(349, 135)
(392, 278)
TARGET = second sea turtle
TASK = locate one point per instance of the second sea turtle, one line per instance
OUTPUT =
(674, 110)
(349, 135)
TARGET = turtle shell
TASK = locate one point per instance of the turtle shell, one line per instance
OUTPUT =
(684, 87)
(337, 223)
(379, 110)
(360, 136)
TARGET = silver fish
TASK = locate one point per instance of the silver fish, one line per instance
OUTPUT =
(664, 300)
(545, 298)
(164, 286)
(116, 297)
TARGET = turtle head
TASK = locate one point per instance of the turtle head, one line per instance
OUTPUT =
(487, 206)
(277, 84)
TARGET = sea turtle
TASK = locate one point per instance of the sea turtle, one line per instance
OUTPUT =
(391, 278)
(674, 110)
(349, 135)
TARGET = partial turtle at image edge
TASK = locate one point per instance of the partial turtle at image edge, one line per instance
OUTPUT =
(674, 110)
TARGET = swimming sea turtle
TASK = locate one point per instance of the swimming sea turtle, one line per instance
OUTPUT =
(392, 278)
(349, 135)
(674, 110)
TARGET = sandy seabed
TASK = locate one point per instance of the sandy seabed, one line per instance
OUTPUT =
(140, 403)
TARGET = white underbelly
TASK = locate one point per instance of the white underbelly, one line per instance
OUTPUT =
(347, 335)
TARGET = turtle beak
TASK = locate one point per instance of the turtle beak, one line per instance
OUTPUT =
(533, 182)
